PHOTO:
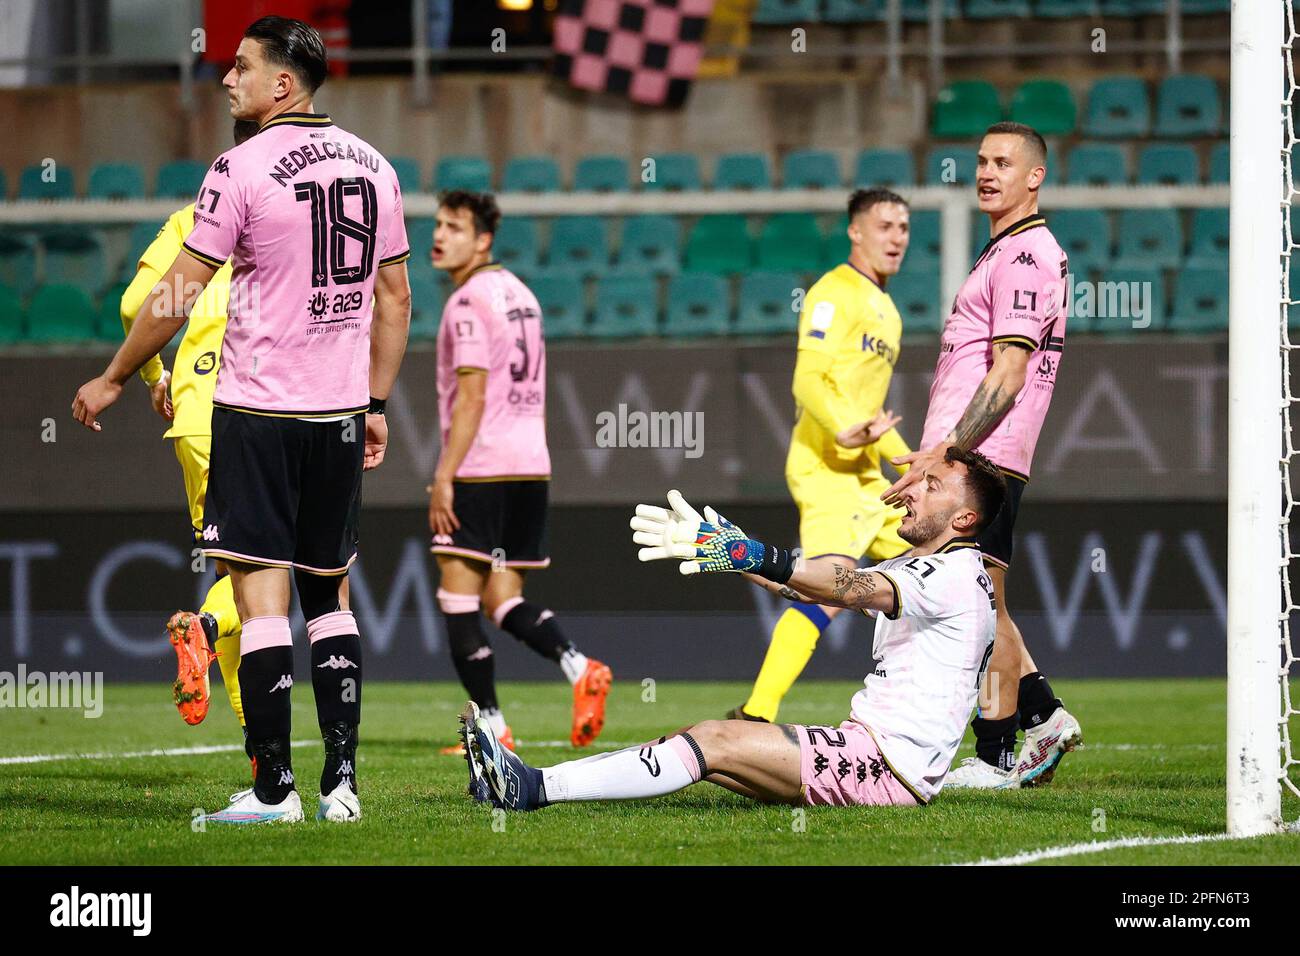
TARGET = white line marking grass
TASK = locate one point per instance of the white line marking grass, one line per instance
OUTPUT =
(1098, 846)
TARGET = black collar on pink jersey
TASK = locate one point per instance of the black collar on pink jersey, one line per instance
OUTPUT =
(485, 267)
(1029, 222)
(298, 119)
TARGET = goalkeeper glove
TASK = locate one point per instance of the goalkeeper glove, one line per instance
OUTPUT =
(704, 543)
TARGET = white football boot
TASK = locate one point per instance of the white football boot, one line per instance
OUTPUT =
(975, 774)
(246, 808)
(341, 806)
(1044, 747)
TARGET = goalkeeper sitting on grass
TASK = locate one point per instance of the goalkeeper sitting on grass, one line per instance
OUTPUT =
(935, 621)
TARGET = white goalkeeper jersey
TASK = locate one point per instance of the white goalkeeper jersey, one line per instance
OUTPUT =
(930, 656)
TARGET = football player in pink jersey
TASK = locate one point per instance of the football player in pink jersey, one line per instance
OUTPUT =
(999, 354)
(310, 217)
(488, 500)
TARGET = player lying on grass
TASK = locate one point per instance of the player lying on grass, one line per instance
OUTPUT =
(935, 622)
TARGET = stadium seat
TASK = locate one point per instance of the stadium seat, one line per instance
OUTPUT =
(674, 172)
(1209, 245)
(531, 174)
(885, 167)
(1132, 8)
(427, 300)
(698, 304)
(472, 173)
(108, 318)
(4, 186)
(1097, 164)
(75, 256)
(965, 109)
(786, 11)
(1200, 301)
(408, 173)
(1118, 108)
(790, 242)
(1084, 234)
(918, 11)
(963, 169)
(116, 181)
(915, 292)
(1219, 163)
(564, 305)
(625, 306)
(1114, 296)
(516, 244)
(17, 262)
(835, 247)
(180, 179)
(811, 169)
(1149, 238)
(742, 171)
(142, 234)
(1191, 7)
(651, 246)
(852, 11)
(994, 9)
(1046, 105)
(1187, 104)
(419, 234)
(579, 246)
(719, 244)
(767, 303)
(60, 313)
(11, 316)
(1168, 164)
(923, 250)
(32, 184)
(601, 174)
(1063, 9)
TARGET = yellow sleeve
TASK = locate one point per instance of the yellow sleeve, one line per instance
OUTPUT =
(145, 279)
(891, 445)
(817, 394)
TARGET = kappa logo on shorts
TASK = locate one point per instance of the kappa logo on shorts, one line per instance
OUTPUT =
(286, 778)
(336, 662)
(284, 683)
(210, 533)
(442, 539)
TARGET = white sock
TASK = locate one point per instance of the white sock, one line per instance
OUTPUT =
(636, 772)
(496, 720)
(574, 664)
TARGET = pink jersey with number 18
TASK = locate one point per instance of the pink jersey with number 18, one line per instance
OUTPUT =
(1013, 294)
(307, 213)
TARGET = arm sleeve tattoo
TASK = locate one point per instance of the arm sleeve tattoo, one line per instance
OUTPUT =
(853, 586)
(986, 408)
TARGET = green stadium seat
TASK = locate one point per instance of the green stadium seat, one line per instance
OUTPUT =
(979, 235)
(853, 11)
(579, 246)
(651, 246)
(884, 167)
(924, 248)
(835, 247)
(1219, 163)
(698, 304)
(918, 11)
(965, 109)
(811, 169)
(1168, 164)
(531, 174)
(675, 172)
(1097, 164)
(32, 184)
(116, 181)
(4, 186)
(601, 174)
(471, 173)
(1192, 7)
(625, 306)
(17, 262)
(1046, 105)
(517, 244)
(108, 318)
(1149, 238)
(915, 292)
(180, 179)
(767, 303)
(1084, 234)
(564, 305)
(1187, 104)
(141, 236)
(743, 171)
(963, 156)
(428, 296)
(719, 244)
(408, 173)
(1115, 297)
(786, 11)
(11, 316)
(60, 313)
(75, 256)
(1065, 9)
(419, 234)
(1118, 108)
(1209, 245)
(790, 242)
(994, 9)
(1200, 301)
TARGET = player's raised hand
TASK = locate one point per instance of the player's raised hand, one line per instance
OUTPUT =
(92, 399)
(918, 462)
(867, 433)
(700, 543)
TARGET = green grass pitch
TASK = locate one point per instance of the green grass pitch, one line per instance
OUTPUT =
(1153, 766)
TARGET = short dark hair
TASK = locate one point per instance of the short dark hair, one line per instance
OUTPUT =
(294, 45)
(1027, 133)
(985, 483)
(245, 130)
(482, 206)
(863, 199)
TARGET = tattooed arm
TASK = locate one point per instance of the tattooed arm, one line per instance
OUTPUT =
(994, 397)
(780, 590)
(836, 585)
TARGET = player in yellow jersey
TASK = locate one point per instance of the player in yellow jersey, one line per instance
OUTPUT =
(184, 397)
(849, 333)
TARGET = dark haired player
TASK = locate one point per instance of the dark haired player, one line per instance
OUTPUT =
(310, 217)
(488, 500)
(935, 623)
(998, 359)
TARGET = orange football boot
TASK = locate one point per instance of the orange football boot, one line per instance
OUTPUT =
(506, 740)
(589, 695)
(193, 657)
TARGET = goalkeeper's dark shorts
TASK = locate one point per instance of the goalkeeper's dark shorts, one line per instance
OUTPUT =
(502, 522)
(996, 540)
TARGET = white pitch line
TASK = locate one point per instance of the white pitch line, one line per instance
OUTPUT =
(1098, 846)
(167, 752)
